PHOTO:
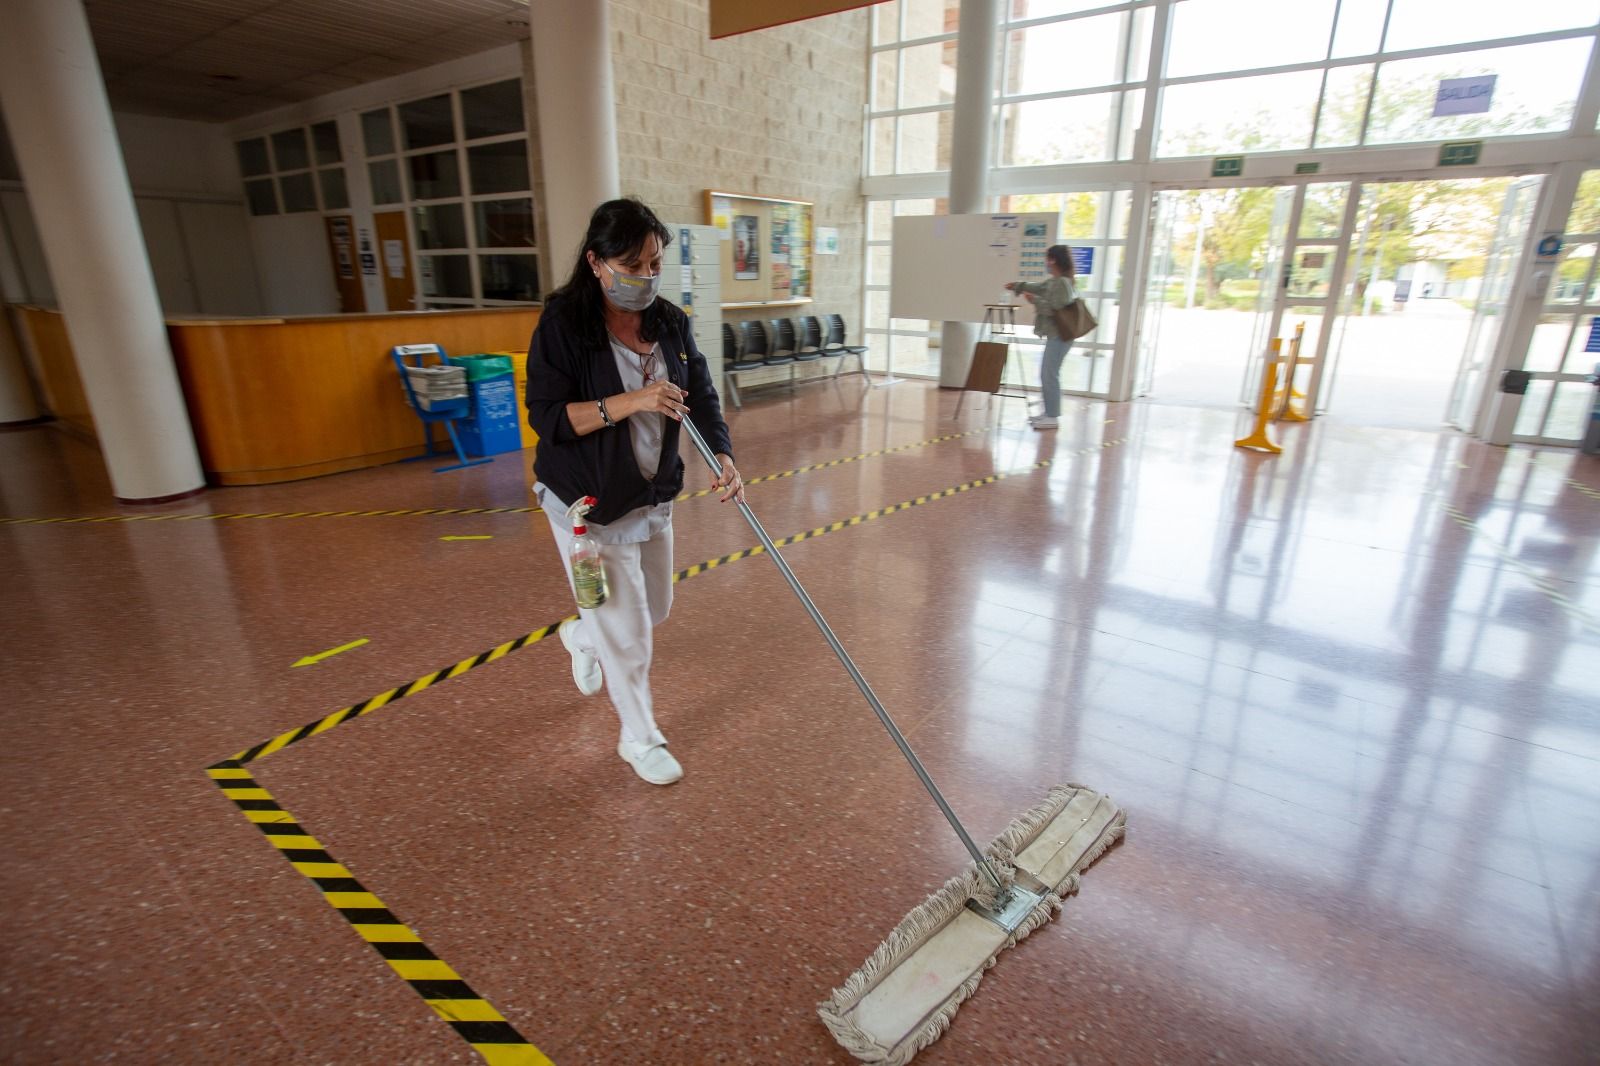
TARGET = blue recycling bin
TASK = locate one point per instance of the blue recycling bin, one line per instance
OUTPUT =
(490, 426)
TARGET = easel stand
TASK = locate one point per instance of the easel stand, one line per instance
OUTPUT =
(989, 355)
(1284, 398)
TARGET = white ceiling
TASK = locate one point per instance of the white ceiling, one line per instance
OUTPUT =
(215, 60)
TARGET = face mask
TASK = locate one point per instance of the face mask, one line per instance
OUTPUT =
(632, 292)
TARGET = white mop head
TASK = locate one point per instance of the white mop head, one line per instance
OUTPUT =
(904, 996)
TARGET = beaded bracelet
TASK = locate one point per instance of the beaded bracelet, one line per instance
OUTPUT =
(604, 415)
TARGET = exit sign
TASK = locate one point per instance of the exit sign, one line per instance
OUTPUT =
(1307, 168)
(1459, 153)
(1227, 166)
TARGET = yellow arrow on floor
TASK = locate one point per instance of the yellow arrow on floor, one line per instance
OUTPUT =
(485, 537)
(321, 655)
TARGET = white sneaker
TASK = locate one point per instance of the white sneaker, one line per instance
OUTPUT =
(1045, 422)
(653, 762)
(585, 667)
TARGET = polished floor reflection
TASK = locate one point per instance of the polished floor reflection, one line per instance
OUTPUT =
(1348, 696)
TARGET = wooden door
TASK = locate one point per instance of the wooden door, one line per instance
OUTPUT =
(394, 261)
(342, 244)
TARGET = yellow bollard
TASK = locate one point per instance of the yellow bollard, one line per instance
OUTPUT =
(1269, 391)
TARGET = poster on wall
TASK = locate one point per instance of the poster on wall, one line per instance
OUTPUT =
(746, 247)
(780, 233)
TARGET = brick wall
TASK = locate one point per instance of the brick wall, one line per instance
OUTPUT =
(777, 112)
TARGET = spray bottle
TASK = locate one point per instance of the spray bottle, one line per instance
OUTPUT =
(588, 570)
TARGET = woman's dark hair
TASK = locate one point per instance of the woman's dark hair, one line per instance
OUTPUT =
(1061, 256)
(616, 228)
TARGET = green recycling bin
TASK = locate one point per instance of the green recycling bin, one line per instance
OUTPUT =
(482, 367)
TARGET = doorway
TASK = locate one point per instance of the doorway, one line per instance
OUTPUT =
(394, 257)
(1395, 288)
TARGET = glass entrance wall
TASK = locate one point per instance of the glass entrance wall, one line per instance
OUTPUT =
(1566, 342)
(1094, 224)
(1488, 314)
(1154, 87)
(907, 347)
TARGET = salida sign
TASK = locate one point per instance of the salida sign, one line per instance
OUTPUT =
(1464, 96)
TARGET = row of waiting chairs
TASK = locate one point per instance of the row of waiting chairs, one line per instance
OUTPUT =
(783, 342)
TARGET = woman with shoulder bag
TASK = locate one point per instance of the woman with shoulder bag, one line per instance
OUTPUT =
(1057, 293)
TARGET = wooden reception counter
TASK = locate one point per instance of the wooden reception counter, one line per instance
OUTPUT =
(277, 399)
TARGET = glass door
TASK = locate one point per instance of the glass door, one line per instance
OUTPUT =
(1303, 264)
(1163, 214)
(1274, 282)
(1516, 214)
(1566, 343)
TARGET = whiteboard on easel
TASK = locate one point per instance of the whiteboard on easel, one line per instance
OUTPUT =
(946, 268)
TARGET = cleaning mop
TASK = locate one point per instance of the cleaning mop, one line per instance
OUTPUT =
(905, 994)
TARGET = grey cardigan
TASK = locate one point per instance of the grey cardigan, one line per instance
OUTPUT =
(1050, 294)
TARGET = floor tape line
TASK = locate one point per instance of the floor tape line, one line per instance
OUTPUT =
(1539, 581)
(473, 1018)
(385, 699)
(452, 999)
(453, 511)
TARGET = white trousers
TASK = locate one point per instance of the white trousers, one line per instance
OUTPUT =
(620, 631)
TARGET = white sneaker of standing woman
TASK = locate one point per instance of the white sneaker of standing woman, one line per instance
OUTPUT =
(586, 672)
(653, 762)
(1044, 422)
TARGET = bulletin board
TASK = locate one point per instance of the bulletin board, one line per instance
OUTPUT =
(767, 246)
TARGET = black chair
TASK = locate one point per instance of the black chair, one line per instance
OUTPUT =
(735, 362)
(834, 347)
(753, 353)
(806, 347)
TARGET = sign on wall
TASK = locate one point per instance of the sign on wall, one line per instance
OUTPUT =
(1464, 96)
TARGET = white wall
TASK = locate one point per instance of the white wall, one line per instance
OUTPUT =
(777, 112)
(191, 209)
(168, 156)
(297, 266)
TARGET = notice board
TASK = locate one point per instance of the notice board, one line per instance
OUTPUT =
(766, 248)
(945, 268)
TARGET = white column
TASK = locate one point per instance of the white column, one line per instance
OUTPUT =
(969, 156)
(60, 124)
(577, 122)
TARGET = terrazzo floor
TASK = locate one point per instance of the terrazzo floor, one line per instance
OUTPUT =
(1341, 693)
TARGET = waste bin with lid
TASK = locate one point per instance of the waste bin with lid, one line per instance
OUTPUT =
(490, 426)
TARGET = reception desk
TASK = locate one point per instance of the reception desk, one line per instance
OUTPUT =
(278, 399)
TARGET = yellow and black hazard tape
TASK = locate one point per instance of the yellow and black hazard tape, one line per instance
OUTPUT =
(1592, 493)
(841, 462)
(473, 1018)
(408, 512)
(224, 515)
(1551, 590)
(383, 699)
(410, 688)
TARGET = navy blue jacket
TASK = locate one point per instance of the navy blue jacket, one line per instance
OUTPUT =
(602, 464)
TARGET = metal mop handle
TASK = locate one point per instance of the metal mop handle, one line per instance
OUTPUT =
(850, 666)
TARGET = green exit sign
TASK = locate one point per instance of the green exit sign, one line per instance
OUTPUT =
(1307, 168)
(1227, 166)
(1459, 153)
